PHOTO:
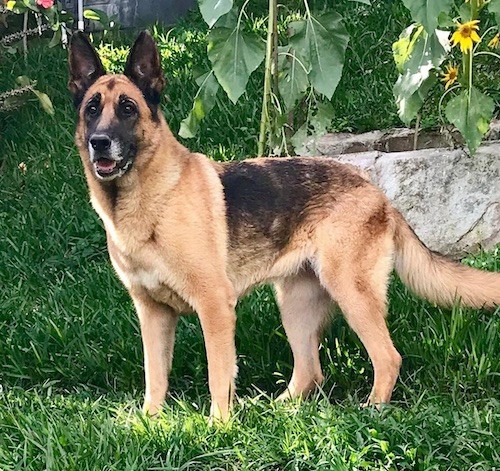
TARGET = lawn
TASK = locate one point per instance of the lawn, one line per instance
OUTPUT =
(71, 380)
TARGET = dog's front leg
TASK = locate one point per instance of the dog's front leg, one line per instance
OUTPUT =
(158, 324)
(218, 321)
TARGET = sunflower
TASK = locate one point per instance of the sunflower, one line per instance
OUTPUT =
(495, 41)
(466, 35)
(450, 76)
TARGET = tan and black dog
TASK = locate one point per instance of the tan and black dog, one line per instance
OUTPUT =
(186, 234)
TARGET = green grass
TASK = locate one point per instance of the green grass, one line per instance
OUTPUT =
(71, 379)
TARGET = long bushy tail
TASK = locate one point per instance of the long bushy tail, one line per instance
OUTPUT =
(438, 279)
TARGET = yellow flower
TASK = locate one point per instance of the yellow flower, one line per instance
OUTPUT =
(466, 35)
(495, 41)
(450, 76)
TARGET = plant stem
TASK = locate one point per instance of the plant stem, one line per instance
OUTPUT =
(264, 119)
(417, 129)
(25, 37)
(467, 58)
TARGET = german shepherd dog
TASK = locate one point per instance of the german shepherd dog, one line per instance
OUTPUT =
(187, 234)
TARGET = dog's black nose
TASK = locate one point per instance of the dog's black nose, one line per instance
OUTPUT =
(100, 142)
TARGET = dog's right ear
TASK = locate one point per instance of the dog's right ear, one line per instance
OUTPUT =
(85, 67)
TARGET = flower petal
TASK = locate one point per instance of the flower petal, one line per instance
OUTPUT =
(475, 37)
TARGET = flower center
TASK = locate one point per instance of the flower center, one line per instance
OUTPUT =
(465, 31)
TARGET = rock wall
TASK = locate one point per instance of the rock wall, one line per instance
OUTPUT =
(451, 200)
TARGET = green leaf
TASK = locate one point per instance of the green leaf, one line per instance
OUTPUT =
(427, 12)
(293, 81)
(494, 7)
(409, 107)
(322, 119)
(96, 15)
(403, 47)
(445, 21)
(424, 54)
(24, 81)
(471, 116)
(16, 7)
(234, 55)
(204, 101)
(315, 126)
(465, 12)
(45, 102)
(212, 10)
(320, 43)
(229, 20)
(366, 2)
(56, 38)
(299, 139)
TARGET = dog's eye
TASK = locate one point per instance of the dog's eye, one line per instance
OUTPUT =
(92, 109)
(127, 109)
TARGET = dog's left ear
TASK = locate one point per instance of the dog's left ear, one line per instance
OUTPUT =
(144, 68)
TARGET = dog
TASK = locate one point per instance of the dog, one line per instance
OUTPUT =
(187, 234)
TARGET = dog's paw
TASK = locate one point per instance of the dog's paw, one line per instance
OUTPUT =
(217, 416)
(150, 409)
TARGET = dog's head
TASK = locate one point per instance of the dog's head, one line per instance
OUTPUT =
(117, 114)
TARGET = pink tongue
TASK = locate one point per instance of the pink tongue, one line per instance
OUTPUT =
(106, 165)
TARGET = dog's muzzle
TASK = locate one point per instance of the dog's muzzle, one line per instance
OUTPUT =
(106, 157)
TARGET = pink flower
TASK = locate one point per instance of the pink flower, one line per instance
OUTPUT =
(45, 3)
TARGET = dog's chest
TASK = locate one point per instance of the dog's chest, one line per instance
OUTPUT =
(153, 281)
(147, 271)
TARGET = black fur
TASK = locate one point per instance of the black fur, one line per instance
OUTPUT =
(143, 67)
(121, 129)
(271, 199)
(85, 67)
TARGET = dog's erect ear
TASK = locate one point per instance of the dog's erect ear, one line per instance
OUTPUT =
(85, 67)
(144, 68)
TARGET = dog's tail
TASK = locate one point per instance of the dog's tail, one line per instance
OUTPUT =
(437, 279)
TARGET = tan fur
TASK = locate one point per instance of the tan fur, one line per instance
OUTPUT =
(168, 239)
(442, 281)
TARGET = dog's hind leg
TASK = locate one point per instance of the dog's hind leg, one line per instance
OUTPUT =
(355, 269)
(304, 306)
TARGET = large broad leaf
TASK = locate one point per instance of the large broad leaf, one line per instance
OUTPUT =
(234, 55)
(212, 10)
(204, 101)
(427, 12)
(410, 106)
(471, 116)
(403, 47)
(424, 53)
(320, 43)
(494, 7)
(293, 81)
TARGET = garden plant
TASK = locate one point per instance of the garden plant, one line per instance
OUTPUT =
(448, 33)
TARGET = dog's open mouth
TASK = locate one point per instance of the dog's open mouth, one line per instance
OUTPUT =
(105, 166)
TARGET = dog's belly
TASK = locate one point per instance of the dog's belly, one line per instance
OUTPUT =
(257, 264)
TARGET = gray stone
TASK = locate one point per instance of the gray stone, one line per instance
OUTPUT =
(391, 140)
(347, 143)
(451, 200)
